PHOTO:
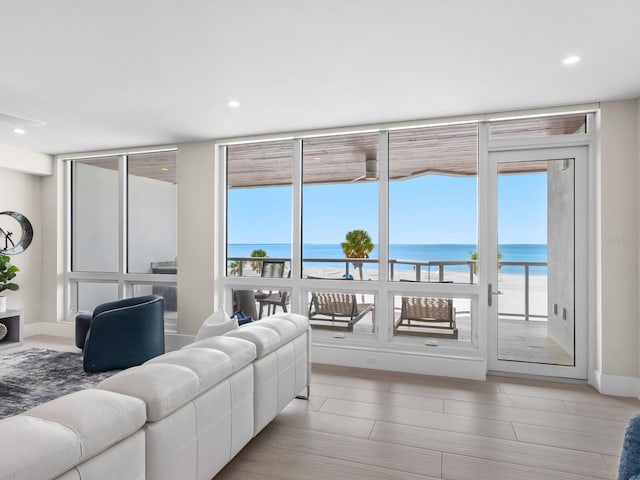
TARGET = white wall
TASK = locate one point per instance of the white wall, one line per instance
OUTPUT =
(196, 231)
(617, 240)
(53, 245)
(26, 161)
(638, 220)
(22, 192)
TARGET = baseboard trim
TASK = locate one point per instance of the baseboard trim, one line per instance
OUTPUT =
(618, 385)
(173, 341)
(467, 367)
(55, 329)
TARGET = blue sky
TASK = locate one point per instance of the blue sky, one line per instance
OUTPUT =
(424, 210)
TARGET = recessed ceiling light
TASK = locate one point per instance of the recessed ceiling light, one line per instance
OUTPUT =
(571, 60)
(19, 131)
(233, 103)
(164, 169)
(316, 158)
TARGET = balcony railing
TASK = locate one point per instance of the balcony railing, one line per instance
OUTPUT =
(438, 276)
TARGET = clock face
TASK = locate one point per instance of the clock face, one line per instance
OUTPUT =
(16, 233)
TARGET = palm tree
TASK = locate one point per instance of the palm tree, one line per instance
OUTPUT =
(234, 268)
(357, 244)
(474, 256)
(257, 253)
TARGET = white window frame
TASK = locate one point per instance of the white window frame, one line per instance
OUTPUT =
(343, 350)
(125, 281)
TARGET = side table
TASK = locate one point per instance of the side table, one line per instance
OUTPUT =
(12, 319)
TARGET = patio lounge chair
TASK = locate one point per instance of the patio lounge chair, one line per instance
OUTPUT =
(330, 310)
(427, 316)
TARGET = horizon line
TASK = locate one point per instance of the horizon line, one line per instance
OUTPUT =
(465, 244)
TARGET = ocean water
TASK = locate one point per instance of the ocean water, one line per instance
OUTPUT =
(432, 252)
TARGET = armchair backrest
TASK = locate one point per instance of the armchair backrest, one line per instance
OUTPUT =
(125, 333)
(126, 302)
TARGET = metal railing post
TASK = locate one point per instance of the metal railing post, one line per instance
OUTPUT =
(526, 292)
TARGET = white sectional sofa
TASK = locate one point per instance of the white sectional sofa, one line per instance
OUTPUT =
(183, 414)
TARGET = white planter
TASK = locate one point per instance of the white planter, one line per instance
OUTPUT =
(3, 304)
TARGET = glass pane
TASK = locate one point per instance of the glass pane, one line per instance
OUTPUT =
(432, 317)
(538, 127)
(170, 295)
(90, 295)
(433, 189)
(95, 215)
(340, 207)
(342, 311)
(536, 270)
(152, 214)
(259, 203)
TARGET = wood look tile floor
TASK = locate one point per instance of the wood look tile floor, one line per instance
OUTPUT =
(367, 424)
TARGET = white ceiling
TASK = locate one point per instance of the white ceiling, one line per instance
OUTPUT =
(123, 73)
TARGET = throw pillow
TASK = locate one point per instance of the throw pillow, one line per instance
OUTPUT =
(218, 323)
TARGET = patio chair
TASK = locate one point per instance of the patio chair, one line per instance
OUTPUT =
(273, 301)
(330, 310)
(272, 269)
(427, 316)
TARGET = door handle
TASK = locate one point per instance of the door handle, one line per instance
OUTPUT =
(491, 293)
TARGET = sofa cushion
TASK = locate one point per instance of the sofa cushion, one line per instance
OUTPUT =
(272, 332)
(162, 386)
(241, 352)
(286, 329)
(100, 419)
(264, 338)
(47, 440)
(300, 321)
(33, 448)
(211, 366)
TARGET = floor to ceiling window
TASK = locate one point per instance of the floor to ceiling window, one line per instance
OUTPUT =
(123, 230)
(381, 234)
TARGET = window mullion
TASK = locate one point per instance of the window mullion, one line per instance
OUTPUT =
(382, 300)
(122, 224)
(296, 231)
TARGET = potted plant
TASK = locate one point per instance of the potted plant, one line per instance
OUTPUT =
(7, 273)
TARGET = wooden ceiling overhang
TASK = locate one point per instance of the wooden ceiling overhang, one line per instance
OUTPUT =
(438, 150)
(441, 150)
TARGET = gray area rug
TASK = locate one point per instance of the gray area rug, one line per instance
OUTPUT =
(35, 376)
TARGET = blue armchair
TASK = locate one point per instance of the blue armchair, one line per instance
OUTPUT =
(121, 334)
(630, 456)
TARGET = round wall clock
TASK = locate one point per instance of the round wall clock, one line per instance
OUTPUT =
(7, 246)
